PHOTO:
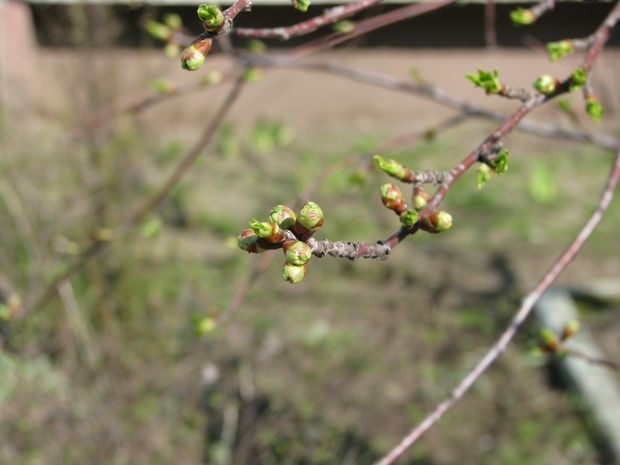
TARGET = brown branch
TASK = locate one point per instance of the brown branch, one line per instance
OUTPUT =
(523, 312)
(328, 17)
(589, 358)
(368, 25)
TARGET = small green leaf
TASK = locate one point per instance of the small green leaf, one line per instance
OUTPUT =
(488, 80)
(484, 174)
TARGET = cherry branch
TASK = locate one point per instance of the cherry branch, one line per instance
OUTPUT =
(330, 16)
(589, 358)
(523, 312)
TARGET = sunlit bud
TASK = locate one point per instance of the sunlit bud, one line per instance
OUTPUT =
(252, 74)
(247, 241)
(484, 174)
(158, 30)
(172, 50)
(570, 329)
(310, 215)
(408, 218)
(522, 16)
(488, 80)
(294, 273)
(436, 222)
(594, 108)
(395, 169)
(500, 162)
(269, 231)
(163, 86)
(345, 26)
(173, 20)
(193, 56)
(578, 78)
(545, 84)
(297, 253)
(392, 198)
(284, 216)
(301, 5)
(211, 16)
(420, 197)
(548, 340)
(560, 49)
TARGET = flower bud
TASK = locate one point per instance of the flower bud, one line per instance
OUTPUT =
(211, 16)
(488, 80)
(500, 163)
(297, 253)
(548, 340)
(570, 329)
(301, 5)
(395, 169)
(294, 273)
(594, 108)
(522, 16)
(436, 222)
(420, 197)
(283, 216)
(193, 56)
(578, 79)
(560, 49)
(309, 220)
(392, 198)
(247, 241)
(545, 84)
(158, 30)
(269, 231)
(408, 218)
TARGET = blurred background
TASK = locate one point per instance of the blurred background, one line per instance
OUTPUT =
(173, 346)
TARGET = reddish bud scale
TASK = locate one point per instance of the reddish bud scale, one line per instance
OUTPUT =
(420, 197)
(436, 222)
(392, 198)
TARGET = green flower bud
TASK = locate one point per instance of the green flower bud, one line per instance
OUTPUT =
(408, 218)
(500, 163)
(158, 30)
(344, 26)
(594, 108)
(436, 222)
(488, 80)
(163, 86)
(420, 197)
(548, 340)
(392, 198)
(310, 216)
(294, 273)
(570, 329)
(298, 253)
(173, 21)
(484, 174)
(395, 169)
(283, 216)
(578, 79)
(247, 241)
(269, 231)
(301, 5)
(545, 84)
(194, 56)
(211, 16)
(560, 49)
(252, 74)
(522, 16)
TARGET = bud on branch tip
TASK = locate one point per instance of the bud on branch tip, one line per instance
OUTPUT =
(488, 80)
(301, 5)
(194, 56)
(392, 167)
(560, 49)
(211, 16)
(522, 16)
(294, 273)
(436, 222)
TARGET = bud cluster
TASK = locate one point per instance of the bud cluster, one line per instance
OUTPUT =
(550, 342)
(288, 231)
(166, 31)
(392, 197)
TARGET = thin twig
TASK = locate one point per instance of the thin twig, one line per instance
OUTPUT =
(523, 312)
(330, 16)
